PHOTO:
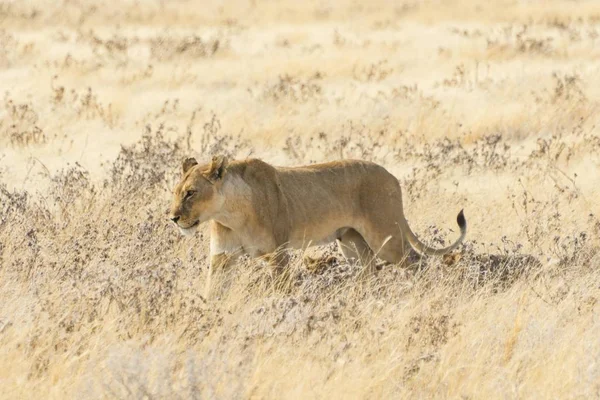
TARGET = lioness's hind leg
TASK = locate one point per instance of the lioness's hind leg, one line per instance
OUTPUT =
(391, 248)
(279, 260)
(354, 247)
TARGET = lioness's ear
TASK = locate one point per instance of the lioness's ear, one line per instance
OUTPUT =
(217, 168)
(189, 163)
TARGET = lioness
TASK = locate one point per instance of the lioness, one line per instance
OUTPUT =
(257, 209)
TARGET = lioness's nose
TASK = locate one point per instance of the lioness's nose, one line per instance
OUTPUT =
(175, 219)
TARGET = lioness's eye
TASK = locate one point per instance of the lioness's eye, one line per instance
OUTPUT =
(189, 194)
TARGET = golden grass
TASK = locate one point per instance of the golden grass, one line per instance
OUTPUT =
(490, 106)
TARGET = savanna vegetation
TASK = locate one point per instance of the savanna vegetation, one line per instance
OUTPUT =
(488, 106)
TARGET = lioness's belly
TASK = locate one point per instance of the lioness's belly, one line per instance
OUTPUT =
(317, 222)
(318, 234)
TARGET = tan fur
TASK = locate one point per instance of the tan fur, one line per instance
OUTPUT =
(257, 209)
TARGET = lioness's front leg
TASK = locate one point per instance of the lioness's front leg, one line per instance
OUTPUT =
(225, 249)
(219, 263)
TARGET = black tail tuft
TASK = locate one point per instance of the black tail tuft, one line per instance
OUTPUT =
(460, 219)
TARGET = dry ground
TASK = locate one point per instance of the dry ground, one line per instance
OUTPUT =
(487, 105)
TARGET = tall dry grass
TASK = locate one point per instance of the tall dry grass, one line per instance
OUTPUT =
(490, 106)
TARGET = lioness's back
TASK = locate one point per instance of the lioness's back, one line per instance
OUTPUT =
(347, 174)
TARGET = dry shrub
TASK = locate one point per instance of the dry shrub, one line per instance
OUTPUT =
(374, 72)
(514, 39)
(111, 49)
(289, 88)
(82, 104)
(168, 47)
(20, 124)
(567, 88)
(13, 51)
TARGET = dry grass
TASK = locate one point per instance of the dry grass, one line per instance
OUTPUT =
(490, 106)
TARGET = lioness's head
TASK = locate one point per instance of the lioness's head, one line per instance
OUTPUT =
(196, 197)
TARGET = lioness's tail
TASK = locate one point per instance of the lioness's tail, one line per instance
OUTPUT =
(430, 251)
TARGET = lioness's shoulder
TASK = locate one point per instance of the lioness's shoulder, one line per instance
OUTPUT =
(253, 170)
